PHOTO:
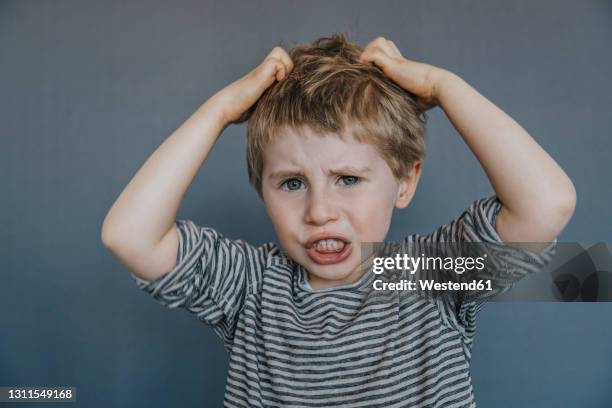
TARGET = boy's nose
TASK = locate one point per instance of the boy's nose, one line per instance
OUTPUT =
(320, 209)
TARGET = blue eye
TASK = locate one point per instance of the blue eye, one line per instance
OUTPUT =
(349, 180)
(292, 184)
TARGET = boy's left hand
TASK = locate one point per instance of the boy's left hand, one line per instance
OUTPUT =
(416, 77)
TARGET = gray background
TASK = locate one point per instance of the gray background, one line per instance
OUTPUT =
(89, 89)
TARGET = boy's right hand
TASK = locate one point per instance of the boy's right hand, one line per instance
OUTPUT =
(234, 100)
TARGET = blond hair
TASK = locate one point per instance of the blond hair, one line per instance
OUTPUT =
(330, 91)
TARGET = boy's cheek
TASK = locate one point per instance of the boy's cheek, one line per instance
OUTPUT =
(377, 226)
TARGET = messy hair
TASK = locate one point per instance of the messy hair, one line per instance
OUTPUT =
(331, 92)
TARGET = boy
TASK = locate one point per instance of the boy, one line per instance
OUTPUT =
(334, 143)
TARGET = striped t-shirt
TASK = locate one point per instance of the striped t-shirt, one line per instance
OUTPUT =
(292, 346)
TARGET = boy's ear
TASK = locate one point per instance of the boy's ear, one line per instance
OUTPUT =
(408, 186)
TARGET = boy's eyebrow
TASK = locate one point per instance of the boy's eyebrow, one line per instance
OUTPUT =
(339, 171)
(285, 173)
(350, 170)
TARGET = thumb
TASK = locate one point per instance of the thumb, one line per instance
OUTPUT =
(272, 69)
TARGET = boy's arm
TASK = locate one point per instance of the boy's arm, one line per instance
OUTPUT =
(537, 197)
(139, 228)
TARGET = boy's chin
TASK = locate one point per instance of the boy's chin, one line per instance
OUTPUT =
(333, 275)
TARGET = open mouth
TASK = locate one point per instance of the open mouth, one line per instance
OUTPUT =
(329, 251)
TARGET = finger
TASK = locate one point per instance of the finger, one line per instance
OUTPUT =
(397, 51)
(282, 55)
(388, 47)
(372, 44)
(368, 54)
(278, 69)
(275, 68)
(279, 54)
(376, 56)
(281, 71)
(378, 46)
(378, 41)
(269, 70)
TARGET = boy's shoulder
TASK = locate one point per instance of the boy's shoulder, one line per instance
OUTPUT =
(475, 223)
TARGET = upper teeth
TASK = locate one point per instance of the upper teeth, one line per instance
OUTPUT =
(329, 244)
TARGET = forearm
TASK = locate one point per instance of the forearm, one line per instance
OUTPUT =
(529, 183)
(146, 209)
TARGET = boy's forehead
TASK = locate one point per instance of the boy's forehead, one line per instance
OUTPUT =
(305, 147)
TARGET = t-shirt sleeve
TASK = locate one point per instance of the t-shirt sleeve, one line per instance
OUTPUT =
(212, 277)
(507, 264)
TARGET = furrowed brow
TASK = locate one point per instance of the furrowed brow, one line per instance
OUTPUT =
(281, 174)
(350, 170)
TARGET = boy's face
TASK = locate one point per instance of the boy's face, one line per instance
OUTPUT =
(321, 186)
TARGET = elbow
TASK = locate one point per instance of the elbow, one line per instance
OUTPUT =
(543, 222)
(109, 232)
(564, 205)
(555, 211)
(567, 204)
(106, 237)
